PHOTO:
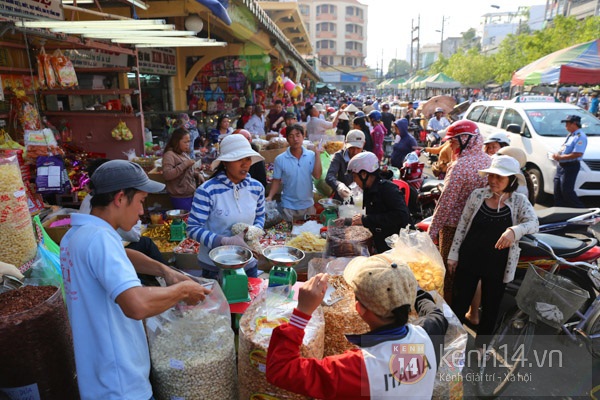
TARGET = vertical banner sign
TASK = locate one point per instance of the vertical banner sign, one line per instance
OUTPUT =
(157, 61)
(32, 9)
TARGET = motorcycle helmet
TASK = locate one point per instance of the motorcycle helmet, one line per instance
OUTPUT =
(365, 161)
(460, 128)
(499, 137)
(515, 153)
(375, 115)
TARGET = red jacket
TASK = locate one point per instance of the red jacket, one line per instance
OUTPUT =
(341, 376)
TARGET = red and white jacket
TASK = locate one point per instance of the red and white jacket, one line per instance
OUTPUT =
(391, 362)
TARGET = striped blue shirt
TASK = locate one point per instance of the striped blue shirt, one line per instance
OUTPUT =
(219, 204)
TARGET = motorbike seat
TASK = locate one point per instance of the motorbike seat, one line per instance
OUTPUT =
(553, 215)
(429, 184)
(562, 246)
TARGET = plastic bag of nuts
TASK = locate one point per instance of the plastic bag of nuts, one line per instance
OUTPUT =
(339, 310)
(16, 230)
(256, 326)
(341, 318)
(192, 351)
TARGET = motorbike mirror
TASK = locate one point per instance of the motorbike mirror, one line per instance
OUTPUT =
(513, 128)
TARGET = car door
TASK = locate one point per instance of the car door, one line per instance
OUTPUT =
(488, 122)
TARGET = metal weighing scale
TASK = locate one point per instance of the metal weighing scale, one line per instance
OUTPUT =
(177, 224)
(330, 210)
(234, 281)
(283, 259)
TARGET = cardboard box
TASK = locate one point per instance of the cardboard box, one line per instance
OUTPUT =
(270, 155)
(56, 233)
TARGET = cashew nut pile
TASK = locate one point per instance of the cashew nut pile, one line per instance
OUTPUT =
(193, 358)
(251, 237)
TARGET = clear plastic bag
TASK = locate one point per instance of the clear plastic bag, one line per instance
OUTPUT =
(348, 241)
(272, 214)
(422, 256)
(339, 310)
(192, 349)
(269, 310)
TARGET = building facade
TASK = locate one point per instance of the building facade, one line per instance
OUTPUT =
(338, 33)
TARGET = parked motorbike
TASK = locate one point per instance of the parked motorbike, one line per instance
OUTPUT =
(414, 127)
(424, 192)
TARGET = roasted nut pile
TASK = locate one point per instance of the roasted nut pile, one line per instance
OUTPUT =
(254, 337)
(193, 358)
(16, 231)
(341, 318)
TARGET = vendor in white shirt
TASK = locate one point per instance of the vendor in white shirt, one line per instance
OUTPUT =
(438, 122)
(315, 125)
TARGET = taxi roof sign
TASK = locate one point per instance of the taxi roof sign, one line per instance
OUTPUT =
(536, 99)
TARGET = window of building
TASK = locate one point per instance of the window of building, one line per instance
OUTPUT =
(353, 28)
(351, 61)
(326, 27)
(325, 44)
(325, 9)
(351, 45)
(326, 60)
(354, 12)
(304, 9)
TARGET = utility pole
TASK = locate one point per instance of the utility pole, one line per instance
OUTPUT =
(412, 41)
(381, 64)
(442, 39)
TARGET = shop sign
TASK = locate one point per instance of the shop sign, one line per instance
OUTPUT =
(33, 9)
(95, 58)
(157, 61)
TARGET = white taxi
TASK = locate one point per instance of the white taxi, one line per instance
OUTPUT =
(533, 125)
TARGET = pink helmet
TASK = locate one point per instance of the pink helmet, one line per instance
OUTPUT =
(365, 161)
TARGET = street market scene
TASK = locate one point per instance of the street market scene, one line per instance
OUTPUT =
(299, 199)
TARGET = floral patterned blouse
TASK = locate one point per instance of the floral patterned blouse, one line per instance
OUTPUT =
(461, 179)
(524, 221)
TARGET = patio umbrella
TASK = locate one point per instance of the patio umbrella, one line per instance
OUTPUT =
(447, 103)
(575, 65)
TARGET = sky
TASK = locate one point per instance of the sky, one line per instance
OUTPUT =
(390, 22)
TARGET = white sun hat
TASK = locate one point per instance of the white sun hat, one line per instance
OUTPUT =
(504, 166)
(234, 148)
(355, 138)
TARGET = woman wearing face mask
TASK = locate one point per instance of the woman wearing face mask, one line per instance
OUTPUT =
(486, 242)
(385, 208)
(228, 197)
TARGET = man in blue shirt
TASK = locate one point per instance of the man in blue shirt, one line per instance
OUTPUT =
(105, 299)
(293, 170)
(569, 157)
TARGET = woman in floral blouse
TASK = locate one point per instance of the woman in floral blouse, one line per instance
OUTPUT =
(460, 181)
(486, 242)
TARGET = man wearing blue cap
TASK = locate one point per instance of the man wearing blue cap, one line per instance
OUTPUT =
(105, 299)
(569, 157)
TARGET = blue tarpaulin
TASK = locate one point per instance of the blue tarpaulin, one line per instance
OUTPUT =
(218, 8)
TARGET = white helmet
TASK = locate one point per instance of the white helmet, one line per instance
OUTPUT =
(365, 161)
(499, 137)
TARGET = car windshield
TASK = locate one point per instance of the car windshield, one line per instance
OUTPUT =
(546, 122)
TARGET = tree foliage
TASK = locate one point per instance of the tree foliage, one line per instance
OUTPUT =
(475, 69)
(398, 69)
